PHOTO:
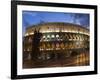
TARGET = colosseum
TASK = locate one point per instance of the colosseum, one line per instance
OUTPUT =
(60, 44)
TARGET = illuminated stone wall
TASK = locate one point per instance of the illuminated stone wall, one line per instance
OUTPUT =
(59, 40)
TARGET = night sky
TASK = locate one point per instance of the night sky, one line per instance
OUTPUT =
(33, 17)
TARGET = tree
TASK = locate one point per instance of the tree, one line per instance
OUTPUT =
(35, 44)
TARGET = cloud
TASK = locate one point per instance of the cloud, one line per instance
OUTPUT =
(30, 13)
(35, 17)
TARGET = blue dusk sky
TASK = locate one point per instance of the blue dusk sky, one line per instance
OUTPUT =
(30, 18)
